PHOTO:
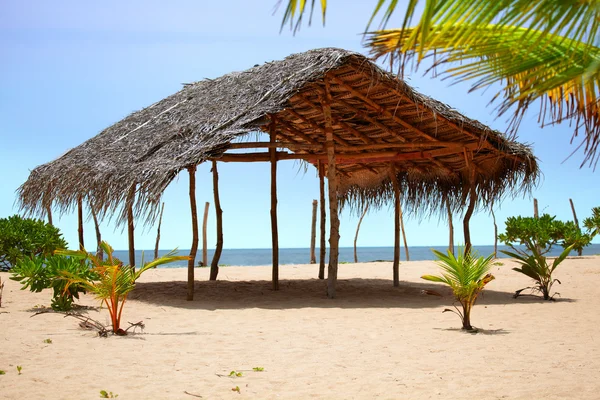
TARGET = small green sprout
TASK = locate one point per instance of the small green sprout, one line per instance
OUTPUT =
(108, 395)
(258, 369)
(234, 374)
(49, 341)
(19, 368)
(2, 372)
(236, 389)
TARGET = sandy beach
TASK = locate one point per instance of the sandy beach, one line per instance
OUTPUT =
(372, 341)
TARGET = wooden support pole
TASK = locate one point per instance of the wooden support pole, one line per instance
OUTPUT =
(194, 248)
(162, 209)
(274, 233)
(396, 263)
(204, 238)
(49, 213)
(576, 221)
(450, 228)
(357, 229)
(469, 212)
(80, 222)
(332, 178)
(130, 226)
(214, 266)
(495, 229)
(536, 215)
(323, 243)
(574, 214)
(403, 234)
(99, 251)
(313, 232)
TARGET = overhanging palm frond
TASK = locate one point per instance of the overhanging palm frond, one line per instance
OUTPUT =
(295, 11)
(562, 73)
(575, 19)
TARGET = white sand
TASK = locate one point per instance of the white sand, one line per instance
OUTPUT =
(373, 341)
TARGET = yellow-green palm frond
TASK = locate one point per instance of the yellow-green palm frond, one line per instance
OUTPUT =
(295, 9)
(575, 19)
(562, 73)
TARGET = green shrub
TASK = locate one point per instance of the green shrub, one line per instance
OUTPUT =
(37, 274)
(26, 237)
(539, 236)
(573, 237)
(592, 223)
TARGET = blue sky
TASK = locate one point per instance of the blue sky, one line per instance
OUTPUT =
(70, 69)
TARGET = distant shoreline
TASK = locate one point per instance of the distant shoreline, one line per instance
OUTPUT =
(256, 257)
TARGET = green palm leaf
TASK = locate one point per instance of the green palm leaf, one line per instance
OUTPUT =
(466, 275)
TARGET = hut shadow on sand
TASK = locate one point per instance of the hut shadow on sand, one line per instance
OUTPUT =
(354, 293)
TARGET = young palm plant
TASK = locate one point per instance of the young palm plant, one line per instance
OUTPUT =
(115, 281)
(536, 267)
(466, 275)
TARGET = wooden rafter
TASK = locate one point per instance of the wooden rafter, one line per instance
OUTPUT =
(335, 120)
(283, 125)
(314, 125)
(360, 113)
(437, 116)
(380, 109)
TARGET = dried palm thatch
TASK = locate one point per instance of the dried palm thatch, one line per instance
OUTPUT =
(381, 126)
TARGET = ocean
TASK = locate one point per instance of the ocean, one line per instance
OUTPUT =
(253, 257)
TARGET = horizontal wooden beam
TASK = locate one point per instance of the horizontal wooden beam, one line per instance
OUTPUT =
(348, 158)
(349, 148)
(277, 145)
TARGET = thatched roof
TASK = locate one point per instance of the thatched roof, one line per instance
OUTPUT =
(380, 123)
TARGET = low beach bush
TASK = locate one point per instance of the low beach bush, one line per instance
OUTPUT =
(39, 273)
(539, 236)
(112, 281)
(466, 275)
(26, 237)
(592, 224)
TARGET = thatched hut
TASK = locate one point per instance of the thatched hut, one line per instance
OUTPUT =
(373, 137)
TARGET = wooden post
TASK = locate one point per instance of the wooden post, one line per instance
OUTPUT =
(99, 251)
(214, 266)
(130, 227)
(204, 239)
(576, 221)
(495, 229)
(49, 213)
(396, 264)
(313, 232)
(323, 243)
(357, 229)
(403, 233)
(450, 228)
(194, 248)
(334, 222)
(535, 209)
(80, 221)
(574, 214)
(274, 233)
(162, 208)
(469, 212)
